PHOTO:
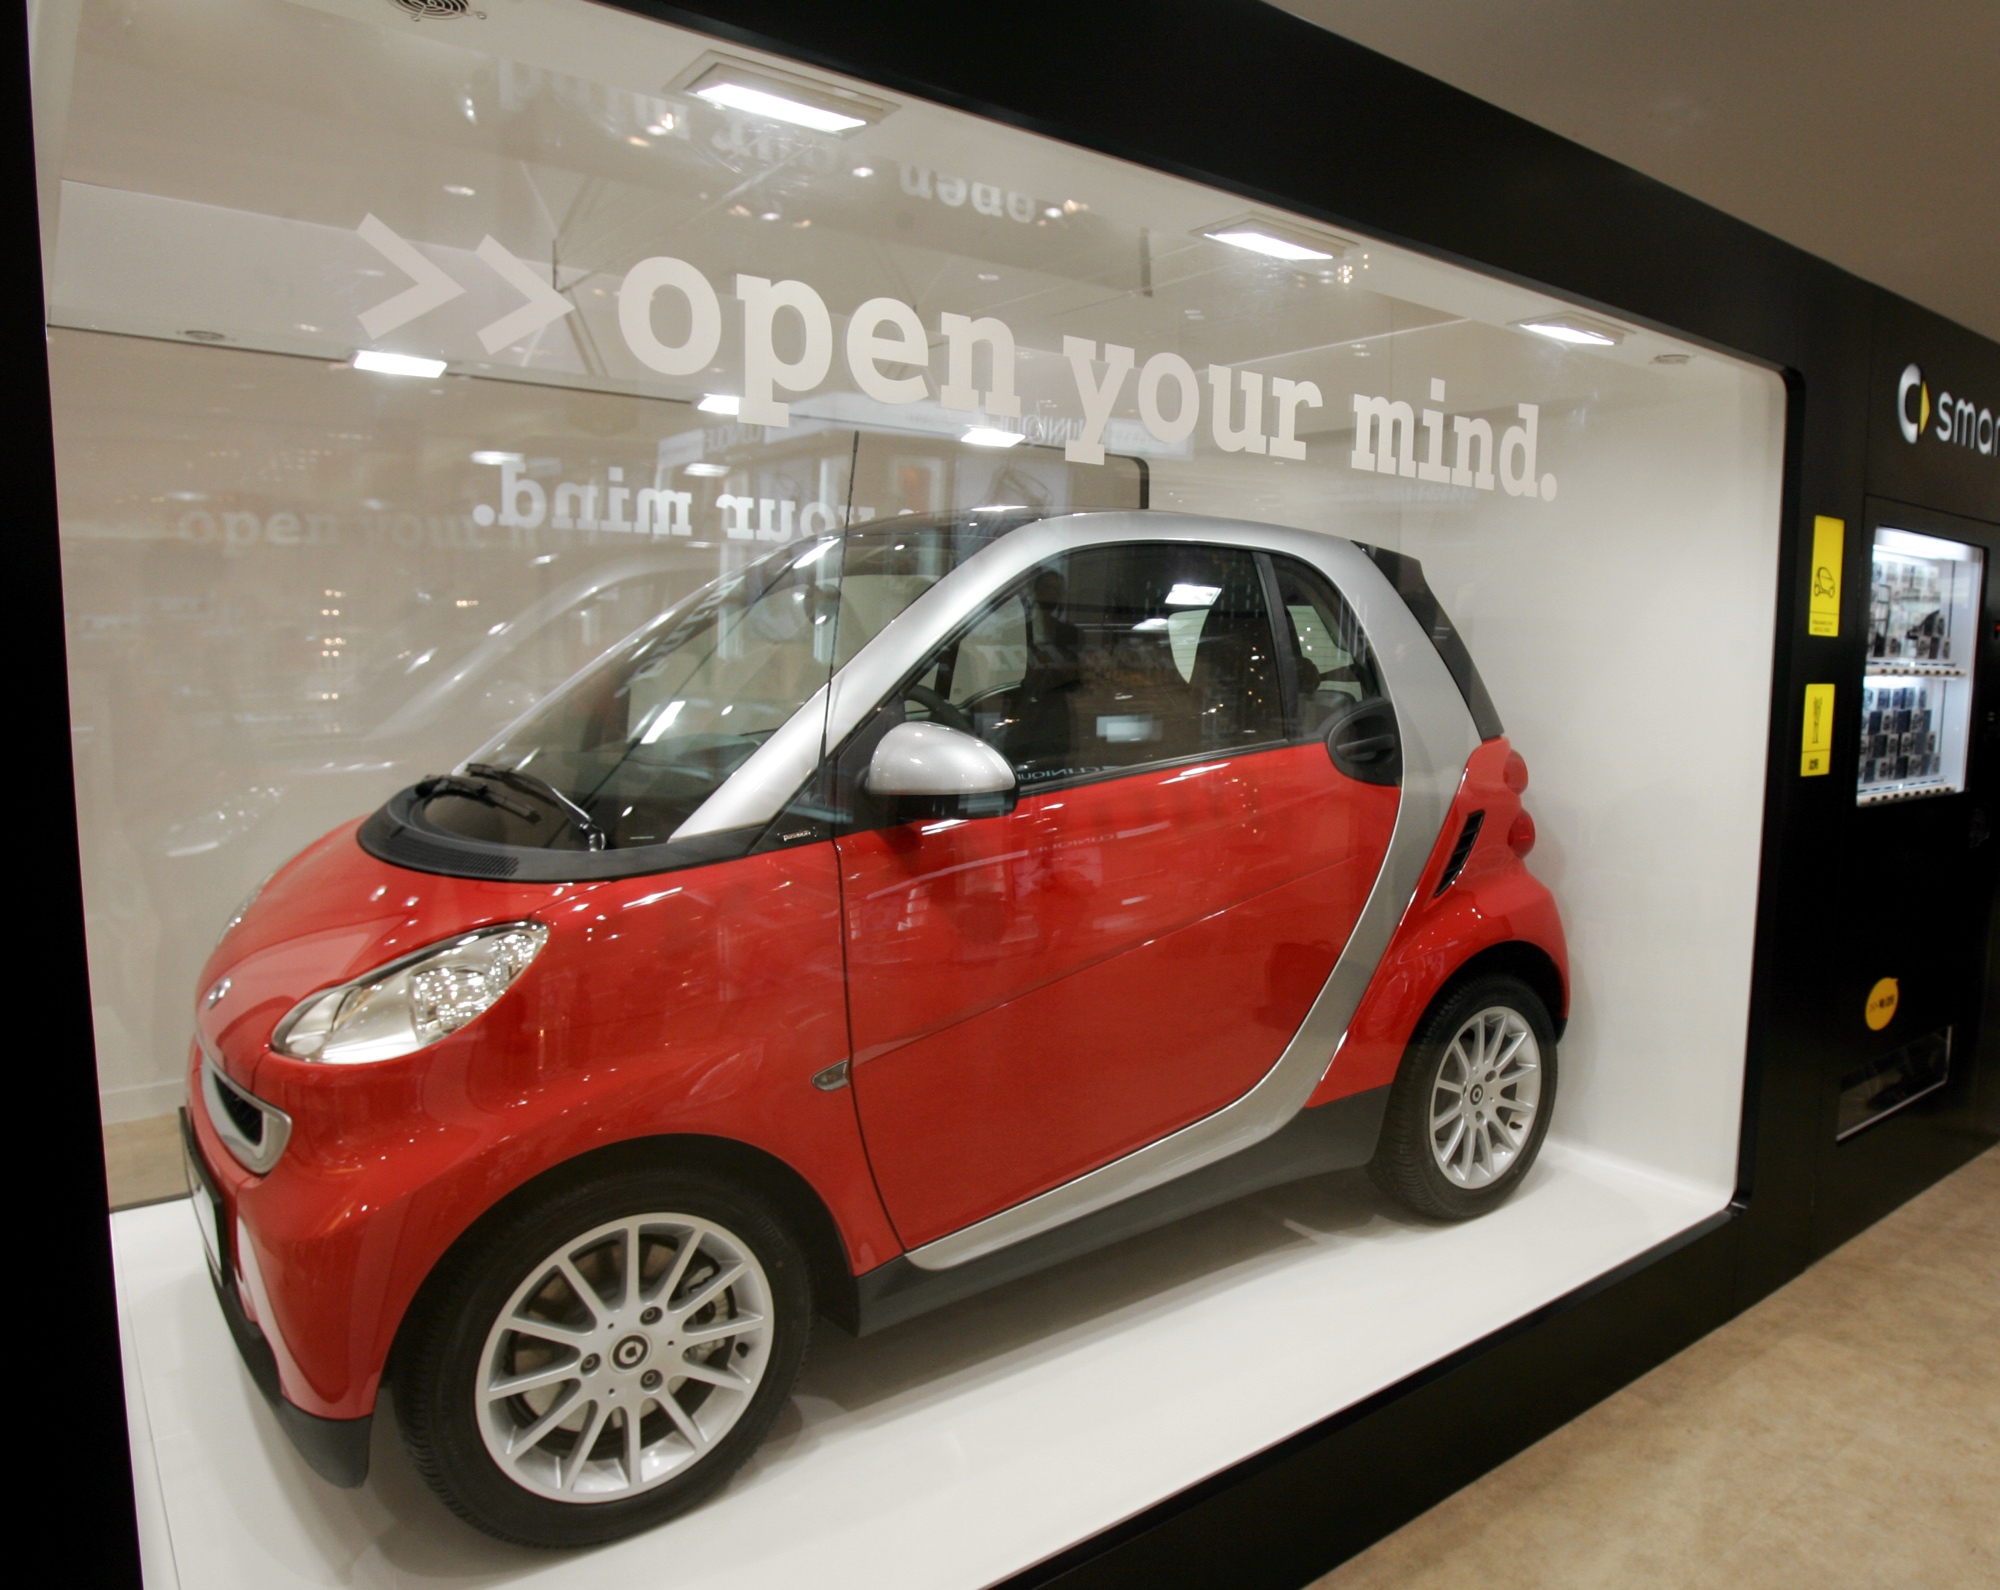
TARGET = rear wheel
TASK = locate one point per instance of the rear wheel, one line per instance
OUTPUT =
(604, 1361)
(1470, 1105)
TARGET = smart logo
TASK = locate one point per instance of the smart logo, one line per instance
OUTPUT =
(1959, 421)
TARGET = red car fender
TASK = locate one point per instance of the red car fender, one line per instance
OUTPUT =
(662, 1006)
(1494, 904)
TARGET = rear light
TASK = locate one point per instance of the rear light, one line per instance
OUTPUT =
(1521, 836)
(1515, 777)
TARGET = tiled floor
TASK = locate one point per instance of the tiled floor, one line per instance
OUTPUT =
(1845, 1432)
(142, 1161)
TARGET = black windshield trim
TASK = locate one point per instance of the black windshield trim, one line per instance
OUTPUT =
(398, 834)
(1406, 574)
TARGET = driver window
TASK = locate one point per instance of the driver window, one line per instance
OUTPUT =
(1112, 658)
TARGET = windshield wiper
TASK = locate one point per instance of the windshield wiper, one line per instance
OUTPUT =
(580, 820)
(466, 789)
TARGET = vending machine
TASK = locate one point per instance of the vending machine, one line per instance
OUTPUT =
(1924, 867)
(1916, 690)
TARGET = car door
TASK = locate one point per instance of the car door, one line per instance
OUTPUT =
(1038, 991)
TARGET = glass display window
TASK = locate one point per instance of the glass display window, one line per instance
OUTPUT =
(1916, 692)
(542, 459)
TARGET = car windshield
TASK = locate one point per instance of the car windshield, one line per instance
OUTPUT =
(626, 752)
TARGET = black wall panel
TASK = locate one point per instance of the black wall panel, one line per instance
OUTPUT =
(1248, 98)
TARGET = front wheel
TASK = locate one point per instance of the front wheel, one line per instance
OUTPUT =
(605, 1360)
(1470, 1106)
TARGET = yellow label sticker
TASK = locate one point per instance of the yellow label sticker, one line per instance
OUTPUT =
(1882, 1000)
(1816, 745)
(1823, 608)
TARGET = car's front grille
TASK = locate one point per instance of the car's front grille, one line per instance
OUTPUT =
(248, 1118)
(255, 1133)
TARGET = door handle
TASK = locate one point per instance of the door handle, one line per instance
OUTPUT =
(1365, 742)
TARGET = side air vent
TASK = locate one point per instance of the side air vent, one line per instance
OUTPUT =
(1468, 836)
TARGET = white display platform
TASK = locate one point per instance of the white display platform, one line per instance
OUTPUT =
(951, 1451)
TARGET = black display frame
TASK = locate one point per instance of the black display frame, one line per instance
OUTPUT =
(1244, 97)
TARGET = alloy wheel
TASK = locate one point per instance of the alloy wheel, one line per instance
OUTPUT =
(624, 1357)
(1484, 1097)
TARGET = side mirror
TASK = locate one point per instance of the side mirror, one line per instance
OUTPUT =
(932, 770)
(1365, 743)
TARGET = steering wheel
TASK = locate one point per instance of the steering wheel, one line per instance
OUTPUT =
(939, 707)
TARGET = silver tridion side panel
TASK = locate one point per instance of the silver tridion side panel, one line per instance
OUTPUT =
(1437, 736)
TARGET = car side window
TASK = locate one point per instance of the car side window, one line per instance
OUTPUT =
(1111, 658)
(1331, 658)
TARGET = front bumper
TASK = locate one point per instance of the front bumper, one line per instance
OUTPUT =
(336, 1449)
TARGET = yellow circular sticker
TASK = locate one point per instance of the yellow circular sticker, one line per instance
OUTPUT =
(1882, 1004)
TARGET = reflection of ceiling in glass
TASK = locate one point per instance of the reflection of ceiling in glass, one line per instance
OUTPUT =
(534, 157)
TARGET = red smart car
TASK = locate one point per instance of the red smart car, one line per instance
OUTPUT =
(904, 912)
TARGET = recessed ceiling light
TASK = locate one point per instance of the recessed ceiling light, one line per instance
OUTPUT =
(639, 143)
(864, 171)
(489, 457)
(782, 96)
(777, 107)
(1580, 331)
(1282, 240)
(989, 276)
(1263, 243)
(398, 364)
(720, 403)
(706, 471)
(458, 190)
(990, 436)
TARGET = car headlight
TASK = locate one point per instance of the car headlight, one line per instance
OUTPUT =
(412, 1002)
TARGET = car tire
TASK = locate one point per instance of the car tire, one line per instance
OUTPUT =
(669, 1384)
(1470, 1104)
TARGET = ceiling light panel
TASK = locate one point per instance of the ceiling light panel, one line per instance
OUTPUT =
(1579, 331)
(781, 96)
(1291, 241)
(398, 364)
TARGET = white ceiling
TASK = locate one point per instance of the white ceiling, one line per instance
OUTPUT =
(1865, 133)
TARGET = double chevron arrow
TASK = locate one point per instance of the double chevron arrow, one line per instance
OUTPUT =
(433, 287)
